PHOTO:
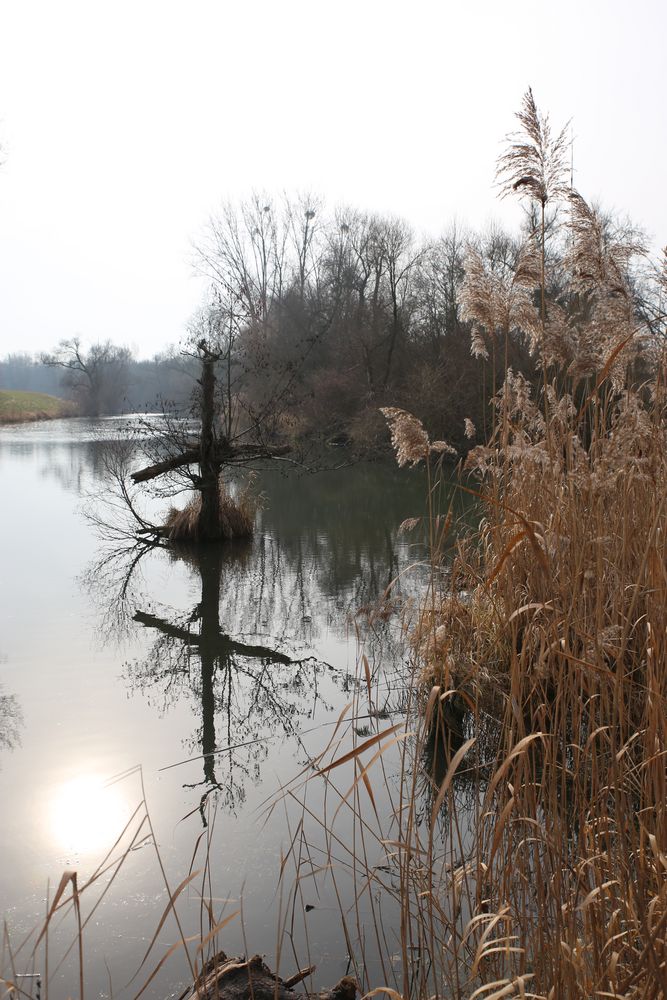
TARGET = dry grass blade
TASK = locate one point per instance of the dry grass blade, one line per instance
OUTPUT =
(521, 746)
(380, 991)
(505, 554)
(363, 774)
(65, 879)
(530, 531)
(499, 829)
(182, 943)
(352, 754)
(604, 374)
(288, 789)
(367, 674)
(501, 988)
(216, 930)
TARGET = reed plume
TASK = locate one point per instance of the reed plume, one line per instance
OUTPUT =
(535, 161)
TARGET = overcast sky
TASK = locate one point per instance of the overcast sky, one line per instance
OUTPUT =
(124, 125)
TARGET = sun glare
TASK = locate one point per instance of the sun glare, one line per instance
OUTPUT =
(87, 815)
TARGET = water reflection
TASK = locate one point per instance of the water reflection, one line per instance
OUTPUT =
(246, 692)
(444, 736)
(345, 524)
(236, 645)
(251, 655)
(257, 656)
(75, 452)
(11, 721)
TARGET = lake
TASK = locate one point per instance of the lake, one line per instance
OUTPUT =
(109, 664)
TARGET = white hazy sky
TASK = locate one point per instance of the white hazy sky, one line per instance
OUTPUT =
(124, 125)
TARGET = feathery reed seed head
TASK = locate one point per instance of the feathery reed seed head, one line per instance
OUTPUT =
(409, 438)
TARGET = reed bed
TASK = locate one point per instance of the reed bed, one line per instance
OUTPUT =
(237, 516)
(509, 837)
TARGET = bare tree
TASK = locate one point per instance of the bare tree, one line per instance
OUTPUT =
(303, 225)
(206, 448)
(97, 379)
(242, 251)
(401, 256)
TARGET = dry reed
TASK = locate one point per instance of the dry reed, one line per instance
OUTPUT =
(237, 516)
(521, 849)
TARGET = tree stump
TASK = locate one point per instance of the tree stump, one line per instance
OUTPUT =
(240, 979)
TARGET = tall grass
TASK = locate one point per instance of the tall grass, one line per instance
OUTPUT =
(237, 516)
(524, 848)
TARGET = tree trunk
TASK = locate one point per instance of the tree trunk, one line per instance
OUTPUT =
(210, 520)
(210, 570)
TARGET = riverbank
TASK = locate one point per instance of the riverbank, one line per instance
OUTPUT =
(21, 407)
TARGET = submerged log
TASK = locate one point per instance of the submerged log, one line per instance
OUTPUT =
(237, 979)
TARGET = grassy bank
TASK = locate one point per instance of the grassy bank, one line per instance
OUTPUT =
(17, 407)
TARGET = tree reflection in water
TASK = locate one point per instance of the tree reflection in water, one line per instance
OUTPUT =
(250, 690)
(11, 718)
(11, 721)
(243, 653)
(248, 654)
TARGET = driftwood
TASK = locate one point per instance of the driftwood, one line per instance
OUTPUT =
(237, 979)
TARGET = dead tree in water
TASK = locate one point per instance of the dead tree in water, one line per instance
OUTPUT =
(208, 518)
(209, 469)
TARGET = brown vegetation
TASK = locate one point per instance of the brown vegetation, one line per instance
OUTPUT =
(526, 849)
(237, 518)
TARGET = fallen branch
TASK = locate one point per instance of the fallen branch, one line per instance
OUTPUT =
(224, 454)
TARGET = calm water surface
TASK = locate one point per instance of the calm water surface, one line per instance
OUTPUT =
(103, 670)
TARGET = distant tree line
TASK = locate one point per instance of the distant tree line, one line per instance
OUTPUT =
(348, 312)
(324, 318)
(319, 319)
(103, 379)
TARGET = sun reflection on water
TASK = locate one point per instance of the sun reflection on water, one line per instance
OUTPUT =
(88, 814)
